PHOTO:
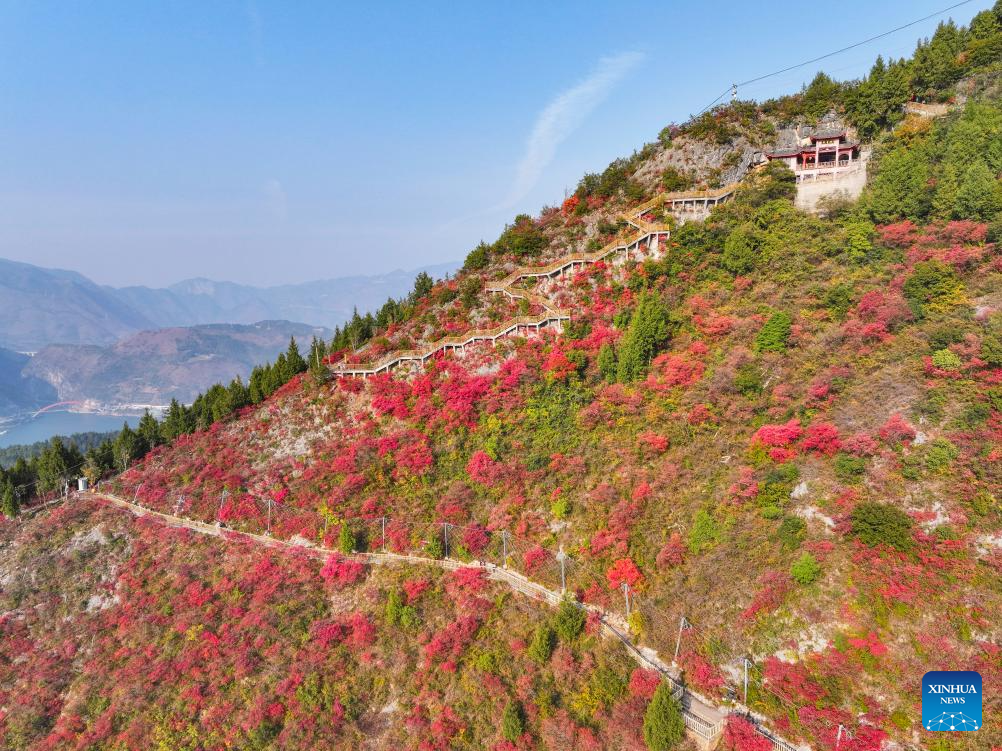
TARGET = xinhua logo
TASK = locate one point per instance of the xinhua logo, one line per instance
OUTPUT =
(951, 700)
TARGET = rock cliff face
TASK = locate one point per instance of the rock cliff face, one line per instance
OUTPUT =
(153, 367)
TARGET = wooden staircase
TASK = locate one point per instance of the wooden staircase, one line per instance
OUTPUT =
(653, 234)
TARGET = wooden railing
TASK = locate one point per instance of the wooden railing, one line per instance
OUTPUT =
(551, 314)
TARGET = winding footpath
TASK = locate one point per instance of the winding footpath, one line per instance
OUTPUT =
(703, 720)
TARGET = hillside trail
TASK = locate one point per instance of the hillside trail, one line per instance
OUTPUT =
(703, 718)
(650, 238)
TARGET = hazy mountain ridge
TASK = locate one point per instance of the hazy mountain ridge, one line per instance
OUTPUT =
(153, 367)
(41, 306)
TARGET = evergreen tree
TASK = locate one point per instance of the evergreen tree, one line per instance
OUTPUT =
(649, 330)
(175, 422)
(55, 465)
(346, 539)
(607, 362)
(318, 351)
(149, 430)
(99, 460)
(664, 726)
(238, 395)
(9, 505)
(979, 196)
(128, 446)
(423, 284)
(512, 722)
(294, 362)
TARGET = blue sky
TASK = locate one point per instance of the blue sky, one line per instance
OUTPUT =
(273, 142)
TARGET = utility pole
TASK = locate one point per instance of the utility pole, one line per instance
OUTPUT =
(445, 533)
(269, 516)
(383, 520)
(504, 548)
(135, 496)
(222, 502)
(734, 92)
(842, 730)
(626, 596)
(562, 557)
(682, 625)
(746, 663)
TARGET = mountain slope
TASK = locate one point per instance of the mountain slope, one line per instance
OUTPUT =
(805, 470)
(18, 392)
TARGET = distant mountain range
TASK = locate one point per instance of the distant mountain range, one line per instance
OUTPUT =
(41, 306)
(153, 367)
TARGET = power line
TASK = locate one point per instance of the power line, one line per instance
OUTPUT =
(832, 54)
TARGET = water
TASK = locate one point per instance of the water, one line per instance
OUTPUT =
(43, 427)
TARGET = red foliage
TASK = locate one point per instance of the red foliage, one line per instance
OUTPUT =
(624, 570)
(713, 325)
(475, 538)
(773, 588)
(341, 571)
(745, 488)
(792, 681)
(876, 314)
(670, 370)
(557, 366)
(534, 558)
(860, 444)
(701, 673)
(779, 435)
(740, 735)
(673, 552)
(447, 645)
(653, 442)
(414, 588)
(415, 457)
(481, 468)
(899, 235)
(897, 430)
(644, 682)
(822, 438)
(699, 414)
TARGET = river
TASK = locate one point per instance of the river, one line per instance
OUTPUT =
(46, 425)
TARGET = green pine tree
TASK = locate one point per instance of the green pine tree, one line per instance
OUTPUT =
(294, 361)
(648, 332)
(8, 497)
(512, 722)
(607, 362)
(979, 196)
(149, 430)
(664, 726)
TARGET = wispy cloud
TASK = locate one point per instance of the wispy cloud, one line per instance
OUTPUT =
(562, 116)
